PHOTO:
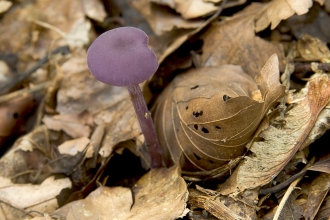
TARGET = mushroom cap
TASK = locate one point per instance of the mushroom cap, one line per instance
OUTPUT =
(121, 57)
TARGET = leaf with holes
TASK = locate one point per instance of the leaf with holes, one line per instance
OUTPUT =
(206, 116)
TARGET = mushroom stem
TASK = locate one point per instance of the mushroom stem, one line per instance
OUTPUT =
(147, 125)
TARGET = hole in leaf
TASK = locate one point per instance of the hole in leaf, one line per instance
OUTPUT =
(218, 127)
(196, 126)
(197, 114)
(195, 87)
(204, 130)
(225, 98)
(15, 115)
(197, 157)
(186, 107)
(211, 161)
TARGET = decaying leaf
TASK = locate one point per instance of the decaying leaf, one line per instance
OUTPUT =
(12, 115)
(190, 9)
(159, 194)
(290, 211)
(161, 19)
(74, 125)
(94, 9)
(234, 42)
(275, 11)
(25, 196)
(280, 145)
(317, 193)
(212, 114)
(313, 49)
(5, 5)
(82, 97)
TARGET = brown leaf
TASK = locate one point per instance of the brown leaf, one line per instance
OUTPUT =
(318, 191)
(159, 194)
(291, 210)
(214, 108)
(322, 165)
(275, 11)
(25, 196)
(13, 113)
(313, 49)
(161, 19)
(234, 42)
(94, 9)
(190, 9)
(280, 145)
(4, 6)
(74, 125)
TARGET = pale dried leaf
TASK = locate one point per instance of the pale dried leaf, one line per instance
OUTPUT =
(194, 8)
(94, 9)
(27, 195)
(162, 20)
(74, 125)
(280, 145)
(74, 146)
(159, 194)
(5, 5)
(275, 11)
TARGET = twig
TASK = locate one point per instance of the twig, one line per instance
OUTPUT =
(283, 184)
(15, 94)
(290, 190)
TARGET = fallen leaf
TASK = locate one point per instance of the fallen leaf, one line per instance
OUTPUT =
(202, 107)
(317, 193)
(74, 146)
(312, 23)
(291, 209)
(159, 194)
(5, 5)
(190, 9)
(13, 115)
(275, 11)
(94, 9)
(324, 211)
(233, 41)
(162, 20)
(313, 49)
(280, 145)
(25, 196)
(74, 125)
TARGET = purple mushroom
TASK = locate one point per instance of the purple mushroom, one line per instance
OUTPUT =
(121, 57)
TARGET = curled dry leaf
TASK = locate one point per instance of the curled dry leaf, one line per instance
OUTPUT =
(205, 117)
(159, 194)
(280, 145)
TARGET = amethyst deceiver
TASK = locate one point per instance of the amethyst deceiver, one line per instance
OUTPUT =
(121, 57)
